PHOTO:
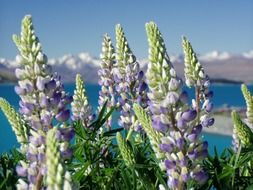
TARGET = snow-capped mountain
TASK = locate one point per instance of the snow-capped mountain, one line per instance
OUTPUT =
(221, 65)
(69, 65)
(215, 55)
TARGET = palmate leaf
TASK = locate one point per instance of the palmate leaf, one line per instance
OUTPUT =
(249, 102)
(18, 124)
(242, 131)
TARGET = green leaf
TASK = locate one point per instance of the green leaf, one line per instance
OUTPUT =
(107, 116)
(126, 179)
(249, 187)
(81, 172)
(160, 178)
(112, 132)
(227, 172)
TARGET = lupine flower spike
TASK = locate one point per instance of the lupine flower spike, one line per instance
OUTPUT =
(125, 151)
(242, 131)
(43, 100)
(130, 82)
(106, 80)
(80, 106)
(195, 76)
(56, 177)
(180, 132)
(249, 103)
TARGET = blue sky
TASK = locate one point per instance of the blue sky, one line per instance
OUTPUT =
(78, 26)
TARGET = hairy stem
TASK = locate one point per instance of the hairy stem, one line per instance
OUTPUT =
(197, 98)
(39, 180)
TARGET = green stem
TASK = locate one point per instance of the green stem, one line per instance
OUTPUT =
(235, 165)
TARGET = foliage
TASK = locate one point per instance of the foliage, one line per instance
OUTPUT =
(8, 175)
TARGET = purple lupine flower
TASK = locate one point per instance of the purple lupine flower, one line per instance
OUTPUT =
(200, 176)
(166, 147)
(66, 154)
(63, 115)
(159, 126)
(184, 97)
(65, 134)
(170, 164)
(19, 90)
(192, 137)
(107, 78)
(181, 123)
(168, 105)
(189, 115)
(130, 84)
(50, 85)
(208, 122)
(43, 99)
(21, 171)
(209, 107)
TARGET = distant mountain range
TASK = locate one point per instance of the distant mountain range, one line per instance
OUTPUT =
(220, 66)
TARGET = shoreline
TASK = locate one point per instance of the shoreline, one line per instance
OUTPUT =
(223, 125)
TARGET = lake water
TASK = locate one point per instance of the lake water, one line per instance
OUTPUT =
(223, 94)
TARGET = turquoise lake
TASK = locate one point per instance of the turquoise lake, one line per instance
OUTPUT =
(223, 94)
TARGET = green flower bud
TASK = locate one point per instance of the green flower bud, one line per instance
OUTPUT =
(80, 105)
(241, 130)
(124, 54)
(18, 124)
(146, 124)
(158, 73)
(193, 69)
(125, 151)
(249, 102)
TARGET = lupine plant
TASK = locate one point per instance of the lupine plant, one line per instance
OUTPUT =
(158, 143)
(43, 103)
(108, 92)
(131, 87)
(178, 125)
(81, 109)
